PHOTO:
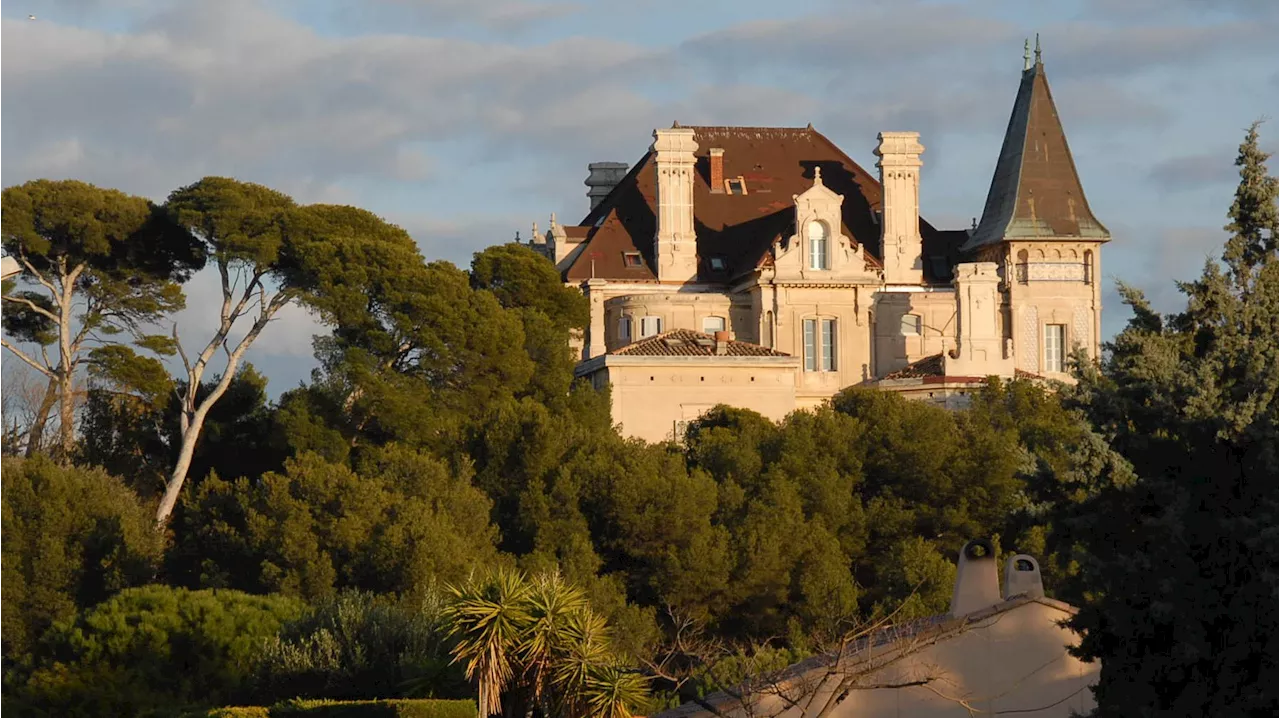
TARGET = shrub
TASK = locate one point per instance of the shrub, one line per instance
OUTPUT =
(71, 538)
(148, 649)
(402, 708)
(357, 645)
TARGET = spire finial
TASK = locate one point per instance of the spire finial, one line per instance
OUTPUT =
(1026, 54)
(817, 174)
(534, 234)
(553, 221)
(1037, 48)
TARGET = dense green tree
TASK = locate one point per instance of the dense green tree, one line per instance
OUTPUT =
(244, 230)
(148, 649)
(98, 266)
(397, 522)
(71, 538)
(1180, 570)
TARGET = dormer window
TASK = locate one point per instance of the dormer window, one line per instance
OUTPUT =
(737, 185)
(631, 260)
(818, 246)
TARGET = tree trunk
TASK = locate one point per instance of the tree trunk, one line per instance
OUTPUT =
(179, 476)
(35, 435)
(67, 417)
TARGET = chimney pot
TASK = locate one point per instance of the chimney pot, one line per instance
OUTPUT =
(602, 177)
(717, 169)
(1022, 576)
(722, 343)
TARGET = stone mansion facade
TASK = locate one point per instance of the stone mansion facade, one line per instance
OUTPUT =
(763, 268)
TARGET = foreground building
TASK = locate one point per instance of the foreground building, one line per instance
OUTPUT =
(764, 268)
(989, 655)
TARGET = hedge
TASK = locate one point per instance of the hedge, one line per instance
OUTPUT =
(399, 708)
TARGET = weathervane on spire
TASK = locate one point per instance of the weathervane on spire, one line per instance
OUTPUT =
(1026, 54)
(1037, 48)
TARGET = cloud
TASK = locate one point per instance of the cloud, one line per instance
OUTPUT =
(230, 88)
(501, 16)
(1191, 172)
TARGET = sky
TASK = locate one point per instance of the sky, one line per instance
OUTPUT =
(465, 121)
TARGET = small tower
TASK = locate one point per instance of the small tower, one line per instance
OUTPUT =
(1037, 227)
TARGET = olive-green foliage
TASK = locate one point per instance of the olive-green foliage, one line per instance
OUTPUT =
(358, 644)
(398, 521)
(410, 708)
(150, 648)
(1179, 570)
(402, 708)
(71, 538)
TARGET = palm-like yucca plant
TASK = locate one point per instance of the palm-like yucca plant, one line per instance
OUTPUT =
(487, 618)
(538, 640)
(588, 679)
(610, 691)
(553, 605)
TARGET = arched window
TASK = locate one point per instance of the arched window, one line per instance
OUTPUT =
(1021, 270)
(767, 334)
(624, 330)
(818, 246)
(1088, 267)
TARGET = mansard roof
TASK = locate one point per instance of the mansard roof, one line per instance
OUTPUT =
(1036, 191)
(776, 163)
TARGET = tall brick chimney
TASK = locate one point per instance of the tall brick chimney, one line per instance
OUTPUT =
(717, 170)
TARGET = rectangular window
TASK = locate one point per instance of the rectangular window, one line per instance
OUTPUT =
(711, 325)
(624, 329)
(1055, 339)
(631, 259)
(828, 345)
(650, 326)
(810, 345)
(820, 345)
(910, 325)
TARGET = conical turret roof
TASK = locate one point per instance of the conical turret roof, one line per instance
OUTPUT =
(1036, 192)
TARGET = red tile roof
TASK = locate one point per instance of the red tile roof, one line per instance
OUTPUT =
(688, 343)
(928, 366)
(776, 163)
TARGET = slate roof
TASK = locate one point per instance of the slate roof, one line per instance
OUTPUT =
(1035, 192)
(688, 343)
(776, 163)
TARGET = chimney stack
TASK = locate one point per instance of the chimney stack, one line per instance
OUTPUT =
(717, 170)
(899, 164)
(676, 244)
(602, 177)
(977, 580)
(722, 343)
